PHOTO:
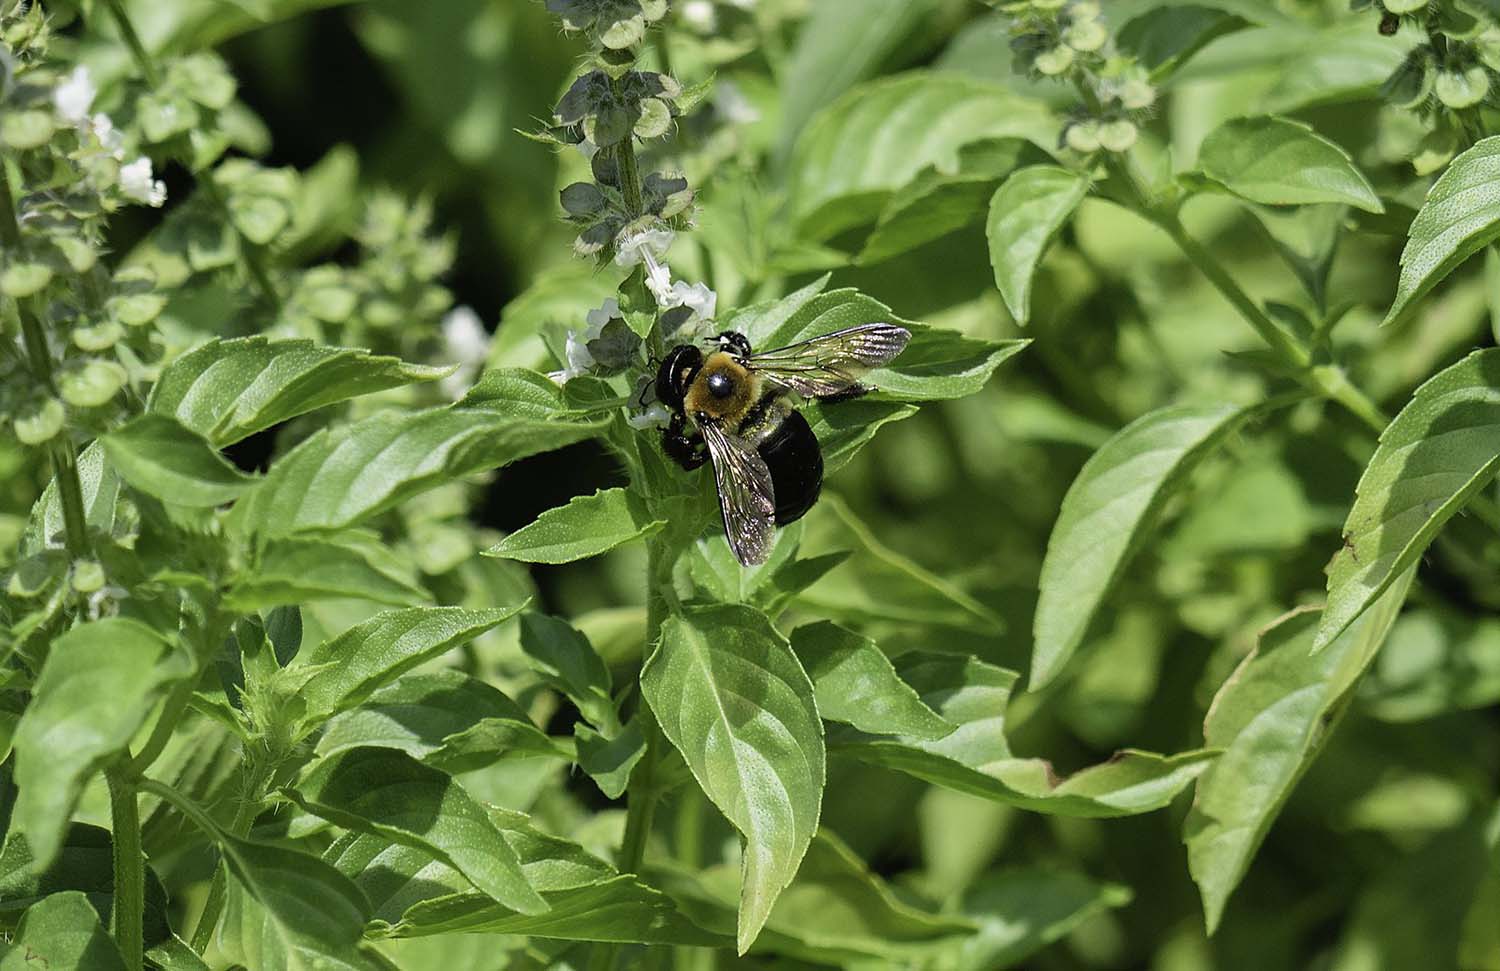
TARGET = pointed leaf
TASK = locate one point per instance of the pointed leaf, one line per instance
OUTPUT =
(386, 792)
(227, 390)
(1440, 451)
(381, 649)
(168, 462)
(609, 761)
(1280, 162)
(61, 932)
(587, 526)
(66, 735)
(730, 695)
(568, 662)
(1460, 217)
(1271, 719)
(855, 683)
(976, 758)
(353, 564)
(1112, 505)
(84, 863)
(1026, 213)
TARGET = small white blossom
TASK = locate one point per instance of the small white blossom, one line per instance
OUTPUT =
(698, 298)
(467, 344)
(75, 96)
(108, 136)
(601, 315)
(658, 280)
(136, 183)
(656, 416)
(579, 359)
(635, 248)
(105, 601)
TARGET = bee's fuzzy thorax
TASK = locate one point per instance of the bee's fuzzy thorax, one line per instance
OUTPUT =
(745, 385)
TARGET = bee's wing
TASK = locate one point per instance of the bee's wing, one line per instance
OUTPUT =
(832, 364)
(746, 495)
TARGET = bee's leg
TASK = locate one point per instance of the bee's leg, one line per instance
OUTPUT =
(686, 449)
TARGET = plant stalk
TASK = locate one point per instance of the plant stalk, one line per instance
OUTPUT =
(630, 176)
(128, 913)
(244, 815)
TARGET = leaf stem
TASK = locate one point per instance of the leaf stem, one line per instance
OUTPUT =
(128, 912)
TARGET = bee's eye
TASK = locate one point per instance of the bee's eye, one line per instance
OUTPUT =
(720, 385)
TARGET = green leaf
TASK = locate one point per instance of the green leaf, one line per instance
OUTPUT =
(66, 735)
(390, 794)
(1280, 162)
(381, 649)
(1271, 719)
(730, 695)
(610, 760)
(855, 683)
(1460, 216)
(85, 862)
(340, 477)
(880, 136)
(568, 662)
(976, 758)
(167, 461)
(845, 427)
(61, 933)
(1110, 509)
(100, 484)
(589, 899)
(352, 563)
(1436, 662)
(227, 390)
(1021, 910)
(1440, 451)
(1026, 213)
(288, 911)
(1165, 38)
(587, 526)
(445, 719)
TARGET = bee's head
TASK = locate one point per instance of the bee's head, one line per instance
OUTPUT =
(676, 374)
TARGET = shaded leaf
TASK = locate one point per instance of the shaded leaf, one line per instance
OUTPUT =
(386, 792)
(226, 390)
(587, 526)
(976, 758)
(1165, 37)
(1441, 450)
(294, 570)
(569, 663)
(1437, 661)
(1026, 212)
(168, 462)
(1280, 162)
(1111, 506)
(1271, 719)
(730, 695)
(609, 761)
(84, 863)
(61, 932)
(1023, 909)
(855, 683)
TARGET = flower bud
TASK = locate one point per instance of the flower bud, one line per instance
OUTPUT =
(1136, 95)
(1118, 136)
(93, 384)
(1404, 6)
(1083, 137)
(1087, 36)
(1055, 61)
(87, 576)
(39, 421)
(100, 336)
(1463, 89)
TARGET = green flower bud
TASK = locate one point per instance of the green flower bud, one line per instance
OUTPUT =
(40, 422)
(1086, 37)
(24, 279)
(1055, 61)
(1404, 6)
(93, 384)
(1084, 10)
(1487, 46)
(87, 576)
(1463, 89)
(1083, 137)
(1136, 94)
(655, 120)
(1118, 136)
(98, 337)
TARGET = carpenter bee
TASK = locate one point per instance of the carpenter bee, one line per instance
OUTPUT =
(737, 407)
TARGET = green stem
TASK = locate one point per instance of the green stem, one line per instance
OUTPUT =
(630, 176)
(249, 807)
(129, 908)
(132, 40)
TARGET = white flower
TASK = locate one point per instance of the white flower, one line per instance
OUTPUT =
(579, 359)
(137, 184)
(658, 280)
(656, 416)
(108, 136)
(699, 15)
(601, 315)
(75, 96)
(698, 298)
(638, 247)
(467, 344)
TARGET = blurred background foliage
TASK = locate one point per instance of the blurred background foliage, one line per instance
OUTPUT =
(1379, 857)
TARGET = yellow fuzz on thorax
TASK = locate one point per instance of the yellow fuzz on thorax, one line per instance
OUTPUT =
(731, 409)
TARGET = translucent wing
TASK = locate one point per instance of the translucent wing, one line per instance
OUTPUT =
(831, 365)
(746, 495)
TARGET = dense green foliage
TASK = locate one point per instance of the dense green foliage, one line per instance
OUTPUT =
(1147, 619)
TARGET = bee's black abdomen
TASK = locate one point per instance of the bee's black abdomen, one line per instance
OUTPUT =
(792, 454)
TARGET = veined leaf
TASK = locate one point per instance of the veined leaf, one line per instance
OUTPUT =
(855, 683)
(338, 478)
(1460, 217)
(976, 758)
(1280, 162)
(845, 427)
(351, 563)
(587, 526)
(63, 932)
(66, 735)
(101, 492)
(1165, 37)
(610, 760)
(443, 718)
(1026, 212)
(167, 461)
(374, 653)
(386, 792)
(878, 137)
(85, 863)
(227, 390)
(1439, 452)
(1271, 719)
(1114, 502)
(730, 695)
(568, 662)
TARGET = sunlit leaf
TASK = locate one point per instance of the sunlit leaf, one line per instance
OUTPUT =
(296, 569)
(855, 683)
(167, 461)
(1280, 162)
(1026, 212)
(587, 526)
